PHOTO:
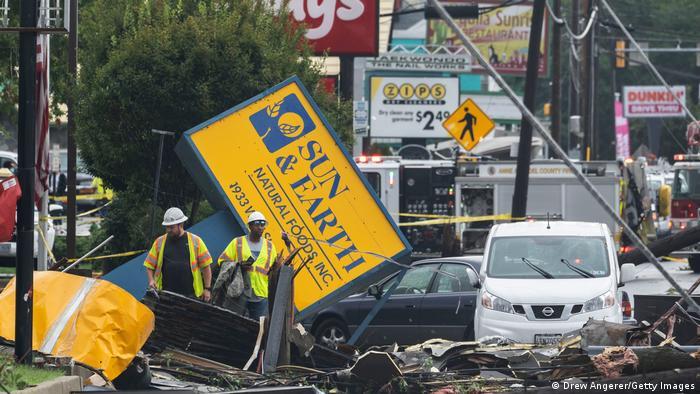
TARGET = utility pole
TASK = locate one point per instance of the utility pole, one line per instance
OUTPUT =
(555, 110)
(587, 80)
(574, 75)
(522, 173)
(591, 88)
(72, 147)
(26, 172)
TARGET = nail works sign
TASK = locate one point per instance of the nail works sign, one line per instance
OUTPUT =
(339, 27)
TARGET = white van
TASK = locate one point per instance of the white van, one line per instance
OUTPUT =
(539, 280)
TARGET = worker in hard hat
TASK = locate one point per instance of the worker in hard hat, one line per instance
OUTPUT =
(256, 255)
(179, 260)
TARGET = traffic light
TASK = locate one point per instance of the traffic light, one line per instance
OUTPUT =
(620, 54)
(547, 109)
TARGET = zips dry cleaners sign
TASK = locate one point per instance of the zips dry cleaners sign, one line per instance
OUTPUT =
(277, 154)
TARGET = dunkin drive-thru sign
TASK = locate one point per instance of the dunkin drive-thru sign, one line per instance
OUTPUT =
(277, 154)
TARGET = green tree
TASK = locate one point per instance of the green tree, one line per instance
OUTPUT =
(170, 65)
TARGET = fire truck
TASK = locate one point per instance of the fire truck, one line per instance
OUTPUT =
(685, 194)
(415, 190)
(685, 202)
(485, 188)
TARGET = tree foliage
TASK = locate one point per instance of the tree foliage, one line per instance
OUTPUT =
(170, 65)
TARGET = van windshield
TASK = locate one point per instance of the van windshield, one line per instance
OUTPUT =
(563, 257)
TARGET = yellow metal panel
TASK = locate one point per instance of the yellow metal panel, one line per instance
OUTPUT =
(105, 330)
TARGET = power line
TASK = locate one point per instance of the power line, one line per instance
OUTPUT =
(562, 22)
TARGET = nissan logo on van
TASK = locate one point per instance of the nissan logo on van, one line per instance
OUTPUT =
(548, 311)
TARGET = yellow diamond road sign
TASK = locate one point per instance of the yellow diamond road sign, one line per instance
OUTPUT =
(468, 124)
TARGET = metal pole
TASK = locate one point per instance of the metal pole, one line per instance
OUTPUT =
(157, 176)
(561, 154)
(72, 153)
(25, 212)
(88, 254)
(646, 58)
(556, 77)
(375, 309)
(522, 171)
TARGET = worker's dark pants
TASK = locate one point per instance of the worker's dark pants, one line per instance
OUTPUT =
(257, 309)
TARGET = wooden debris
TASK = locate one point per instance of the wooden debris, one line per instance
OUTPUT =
(201, 329)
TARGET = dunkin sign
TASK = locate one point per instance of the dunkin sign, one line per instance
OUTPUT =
(653, 101)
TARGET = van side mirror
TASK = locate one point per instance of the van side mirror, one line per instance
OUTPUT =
(627, 272)
(374, 291)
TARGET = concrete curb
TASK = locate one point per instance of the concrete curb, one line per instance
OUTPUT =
(60, 385)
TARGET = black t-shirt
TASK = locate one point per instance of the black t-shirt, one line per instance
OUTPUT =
(177, 274)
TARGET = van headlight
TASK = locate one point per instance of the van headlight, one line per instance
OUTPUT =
(601, 302)
(490, 301)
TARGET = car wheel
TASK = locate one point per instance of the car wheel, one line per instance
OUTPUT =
(694, 263)
(331, 332)
(469, 333)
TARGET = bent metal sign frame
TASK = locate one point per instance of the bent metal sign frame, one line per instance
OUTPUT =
(277, 154)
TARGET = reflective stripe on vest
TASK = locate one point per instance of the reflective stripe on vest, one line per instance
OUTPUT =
(266, 270)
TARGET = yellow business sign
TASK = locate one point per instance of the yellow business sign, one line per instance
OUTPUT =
(277, 154)
(468, 124)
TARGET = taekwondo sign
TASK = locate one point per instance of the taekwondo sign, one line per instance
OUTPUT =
(277, 154)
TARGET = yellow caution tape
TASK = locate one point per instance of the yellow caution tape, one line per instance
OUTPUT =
(46, 245)
(424, 215)
(86, 213)
(675, 259)
(460, 219)
(110, 256)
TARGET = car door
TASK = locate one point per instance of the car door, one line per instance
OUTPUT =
(448, 308)
(399, 316)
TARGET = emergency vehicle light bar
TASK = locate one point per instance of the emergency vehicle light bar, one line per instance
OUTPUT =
(367, 159)
(686, 157)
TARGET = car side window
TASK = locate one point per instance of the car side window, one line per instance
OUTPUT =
(453, 278)
(416, 280)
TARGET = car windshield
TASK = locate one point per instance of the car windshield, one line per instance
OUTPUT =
(509, 257)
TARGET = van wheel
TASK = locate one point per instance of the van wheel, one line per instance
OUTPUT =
(694, 263)
(331, 332)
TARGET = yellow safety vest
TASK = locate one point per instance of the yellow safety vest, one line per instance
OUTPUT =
(199, 258)
(239, 250)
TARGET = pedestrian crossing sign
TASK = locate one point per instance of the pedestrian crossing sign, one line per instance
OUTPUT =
(468, 124)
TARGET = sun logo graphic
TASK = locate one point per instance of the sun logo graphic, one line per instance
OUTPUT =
(281, 123)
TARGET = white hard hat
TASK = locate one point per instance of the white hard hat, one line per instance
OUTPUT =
(173, 216)
(256, 216)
